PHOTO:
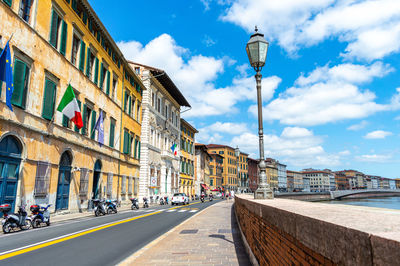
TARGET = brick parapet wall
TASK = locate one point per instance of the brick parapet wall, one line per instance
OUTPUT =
(283, 236)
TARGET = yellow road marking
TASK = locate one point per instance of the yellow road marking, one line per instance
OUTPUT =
(50, 243)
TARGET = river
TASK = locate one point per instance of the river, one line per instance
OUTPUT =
(383, 202)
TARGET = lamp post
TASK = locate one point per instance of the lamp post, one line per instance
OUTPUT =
(257, 48)
(237, 154)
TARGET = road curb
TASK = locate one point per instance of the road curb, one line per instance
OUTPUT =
(129, 260)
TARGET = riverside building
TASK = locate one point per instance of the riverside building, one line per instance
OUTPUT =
(160, 151)
(187, 184)
(44, 157)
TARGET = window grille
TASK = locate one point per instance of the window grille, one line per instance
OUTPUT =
(84, 182)
(123, 185)
(109, 185)
(42, 180)
(130, 185)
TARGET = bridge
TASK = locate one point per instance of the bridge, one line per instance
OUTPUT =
(345, 193)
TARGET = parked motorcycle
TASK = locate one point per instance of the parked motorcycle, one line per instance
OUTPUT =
(162, 201)
(135, 203)
(99, 207)
(40, 215)
(202, 199)
(111, 206)
(145, 202)
(15, 220)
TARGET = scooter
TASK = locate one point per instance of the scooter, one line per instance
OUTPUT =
(40, 214)
(162, 201)
(111, 206)
(14, 220)
(202, 199)
(99, 208)
(210, 198)
(145, 203)
(135, 203)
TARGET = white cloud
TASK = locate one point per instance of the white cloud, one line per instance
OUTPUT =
(195, 76)
(374, 158)
(371, 28)
(344, 153)
(328, 95)
(212, 133)
(295, 146)
(378, 134)
(358, 126)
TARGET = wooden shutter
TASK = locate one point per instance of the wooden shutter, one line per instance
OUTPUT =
(54, 28)
(101, 76)
(112, 129)
(82, 57)
(139, 150)
(19, 83)
(84, 17)
(88, 62)
(108, 83)
(84, 119)
(48, 100)
(65, 121)
(134, 152)
(126, 142)
(129, 105)
(96, 72)
(93, 131)
(63, 43)
(74, 5)
(79, 104)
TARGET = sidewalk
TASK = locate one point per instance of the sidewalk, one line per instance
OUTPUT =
(210, 237)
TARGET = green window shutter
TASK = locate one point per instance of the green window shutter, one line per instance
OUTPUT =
(108, 83)
(48, 101)
(139, 150)
(130, 144)
(125, 100)
(96, 72)
(8, 2)
(134, 152)
(79, 104)
(53, 28)
(74, 6)
(87, 62)
(82, 57)
(101, 76)
(65, 121)
(19, 83)
(112, 129)
(84, 120)
(126, 142)
(63, 44)
(84, 17)
(93, 132)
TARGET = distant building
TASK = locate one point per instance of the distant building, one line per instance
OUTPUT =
(216, 171)
(201, 169)
(306, 184)
(342, 181)
(272, 173)
(320, 180)
(397, 180)
(187, 158)
(243, 172)
(290, 181)
(392, 184)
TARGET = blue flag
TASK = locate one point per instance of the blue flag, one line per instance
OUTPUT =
(100, 128)
(6, 73)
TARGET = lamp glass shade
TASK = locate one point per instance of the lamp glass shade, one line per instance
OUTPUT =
(237, 152)
(257, 48)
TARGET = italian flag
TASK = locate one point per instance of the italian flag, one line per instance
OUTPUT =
(70, 108)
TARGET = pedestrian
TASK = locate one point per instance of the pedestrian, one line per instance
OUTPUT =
(233, 194)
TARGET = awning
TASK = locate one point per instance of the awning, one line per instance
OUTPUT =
(205, 186)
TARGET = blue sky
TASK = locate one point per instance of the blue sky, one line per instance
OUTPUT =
(331, 86)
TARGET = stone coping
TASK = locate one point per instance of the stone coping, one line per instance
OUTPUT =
(343, 233)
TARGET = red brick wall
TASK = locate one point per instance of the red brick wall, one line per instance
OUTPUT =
(272, 246)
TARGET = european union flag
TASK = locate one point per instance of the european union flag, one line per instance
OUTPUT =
(6, 73)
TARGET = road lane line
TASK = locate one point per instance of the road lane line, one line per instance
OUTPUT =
(50, 242)
(193, 211)
(181, 210)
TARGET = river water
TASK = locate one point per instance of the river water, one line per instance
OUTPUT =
(384, 202)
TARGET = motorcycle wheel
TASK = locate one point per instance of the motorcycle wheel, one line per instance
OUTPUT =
(115, 210)
(97, 213)
(132, 208)
(7, 228)
(28, 225)
(109, 211)
(36, 223)
(48, 222)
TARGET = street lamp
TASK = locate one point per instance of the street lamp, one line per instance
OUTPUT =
(237, 154)
(257, 48)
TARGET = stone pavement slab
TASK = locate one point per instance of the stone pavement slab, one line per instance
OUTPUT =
(210, 237)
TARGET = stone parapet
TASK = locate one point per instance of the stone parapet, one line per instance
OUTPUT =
(283, 231)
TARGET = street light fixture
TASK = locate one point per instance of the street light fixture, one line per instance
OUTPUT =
(257, 48)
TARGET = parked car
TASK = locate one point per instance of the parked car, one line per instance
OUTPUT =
(180, 198)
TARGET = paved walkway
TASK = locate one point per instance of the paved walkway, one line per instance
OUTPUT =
(210, 237)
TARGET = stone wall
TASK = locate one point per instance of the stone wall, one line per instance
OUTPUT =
(290, 232)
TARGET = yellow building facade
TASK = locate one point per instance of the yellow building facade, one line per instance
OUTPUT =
(243, 182)
(216, 170)
(229, 175)
(272, 176)
(187, 150)
(44, 157)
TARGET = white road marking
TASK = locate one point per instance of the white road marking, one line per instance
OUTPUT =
(193, 211)
(171, 210)
(182, 210)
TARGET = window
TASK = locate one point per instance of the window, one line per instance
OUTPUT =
(103, 77)
(114, 86)
(211, 182)
(21, 81)
(123, 185)
(84, 182)
(138, 114)
(42, 180)
(90, 63)
(159, 105)
(48, 99)
(76, 44)
(127, 142)
(130, 185)
(112, 132)
(126, 102)
(152, 99)
(166, 112)
(137, 70)
(109, 184)
(58, 32)
(8, 2)
(133, 101)
(93, 125)
(87, 111)
(25, 9)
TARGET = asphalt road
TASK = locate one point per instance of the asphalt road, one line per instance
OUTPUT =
(105, 240)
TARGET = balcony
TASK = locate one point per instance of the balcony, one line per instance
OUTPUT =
(167, 155)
